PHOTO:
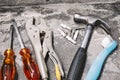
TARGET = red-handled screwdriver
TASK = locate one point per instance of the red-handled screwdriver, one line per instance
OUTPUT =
(8, 68)
(30, 68)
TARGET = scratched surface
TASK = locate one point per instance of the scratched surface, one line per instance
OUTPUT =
(54, 15)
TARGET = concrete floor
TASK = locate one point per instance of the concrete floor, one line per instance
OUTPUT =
(54, 15)
(31, 2)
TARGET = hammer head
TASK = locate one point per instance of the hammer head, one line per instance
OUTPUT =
(92, 20)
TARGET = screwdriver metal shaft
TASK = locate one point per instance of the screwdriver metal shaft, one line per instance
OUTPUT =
(11, 36)
(30, 68)
(18, 34)
(7, 71)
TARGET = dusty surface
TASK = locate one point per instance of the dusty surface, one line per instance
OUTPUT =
(54, 15)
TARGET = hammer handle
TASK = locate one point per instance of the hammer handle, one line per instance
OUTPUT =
(77, 65)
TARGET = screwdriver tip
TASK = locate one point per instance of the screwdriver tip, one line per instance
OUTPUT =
(11, 27)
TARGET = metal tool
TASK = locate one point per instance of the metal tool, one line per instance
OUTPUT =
(109, 46)
(79, 60)
(73, 33)
(34, 36)
(8, 68)
(66, 36)
(76, 35)
(53, 56)
(30, 68)
(45, 39)
(65, 26)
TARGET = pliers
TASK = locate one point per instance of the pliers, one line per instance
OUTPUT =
(42, 35)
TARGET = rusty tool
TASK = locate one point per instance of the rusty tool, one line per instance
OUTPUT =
(30, 68)
(8, 68)
(79, 60)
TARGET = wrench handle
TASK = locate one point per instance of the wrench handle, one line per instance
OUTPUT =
(97, 65)
(77, 65)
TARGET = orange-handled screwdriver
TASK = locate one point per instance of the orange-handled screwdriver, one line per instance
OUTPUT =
(30, 68)
(8, 68)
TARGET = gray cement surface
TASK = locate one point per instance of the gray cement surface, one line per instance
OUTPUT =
(31, 2)
(54, 15)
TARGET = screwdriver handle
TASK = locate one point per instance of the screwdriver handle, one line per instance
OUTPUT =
(8, 67)
(77, 65)
(30, 68)
(97, 65)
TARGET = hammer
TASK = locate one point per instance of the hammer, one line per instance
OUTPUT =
(79, 60)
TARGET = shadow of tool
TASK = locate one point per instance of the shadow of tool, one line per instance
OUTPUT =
(16, 73)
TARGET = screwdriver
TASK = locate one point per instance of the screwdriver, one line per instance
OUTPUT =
(8, 67)
(30, 68)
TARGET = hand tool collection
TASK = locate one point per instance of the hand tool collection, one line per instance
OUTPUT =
(79, 60)
(41, 37)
